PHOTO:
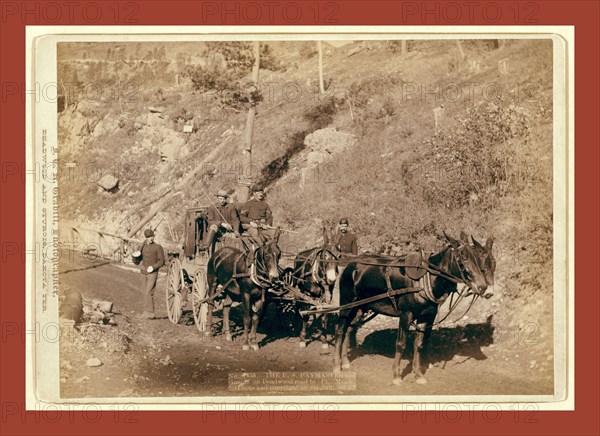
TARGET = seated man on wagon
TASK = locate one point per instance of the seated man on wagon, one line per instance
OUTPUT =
(222, 218)
(256, 217)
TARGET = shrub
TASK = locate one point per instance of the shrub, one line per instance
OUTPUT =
(322, 114)
(476, 161)
(308, 49)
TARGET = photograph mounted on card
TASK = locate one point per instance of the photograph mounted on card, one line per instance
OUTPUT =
(363, 217)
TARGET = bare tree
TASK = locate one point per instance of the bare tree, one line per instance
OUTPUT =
(321, 85)
(460, 49)
(243, 191)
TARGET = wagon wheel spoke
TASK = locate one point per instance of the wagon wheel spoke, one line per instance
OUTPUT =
(174, 285)
(199, 293)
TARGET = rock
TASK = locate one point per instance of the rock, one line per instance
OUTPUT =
(71, 306)
(108, 182)
(82, 379)
(93, 361)
(329, 140)
(63, 380)
(174, 147)
(104, 306)
(156, 109)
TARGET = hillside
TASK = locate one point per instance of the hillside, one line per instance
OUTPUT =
(369, 149)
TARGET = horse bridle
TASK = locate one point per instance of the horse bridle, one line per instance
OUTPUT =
(260, 268)
(319, 274)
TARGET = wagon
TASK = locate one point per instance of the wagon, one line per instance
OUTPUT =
(186, 285)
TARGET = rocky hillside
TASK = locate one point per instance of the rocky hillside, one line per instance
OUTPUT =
(404, 144)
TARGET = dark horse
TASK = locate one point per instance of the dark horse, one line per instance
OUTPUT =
(245, 281)
(367, 276)
(315, 272)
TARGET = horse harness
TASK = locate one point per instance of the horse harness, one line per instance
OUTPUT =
(256, 278)
(424, 287)
(315, 269)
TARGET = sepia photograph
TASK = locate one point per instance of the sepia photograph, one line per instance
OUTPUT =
(342, 217)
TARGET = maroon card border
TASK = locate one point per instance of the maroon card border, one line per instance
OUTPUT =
(15, 15)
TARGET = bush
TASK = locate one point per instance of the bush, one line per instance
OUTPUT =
(308, 49)
(476, 161)
(322, 114)
(362, 91)
(268, 61)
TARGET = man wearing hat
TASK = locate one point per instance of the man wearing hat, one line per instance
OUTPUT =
(152, 258)
(256, 215)
(346, 243)
(344, 240)
(222, 218)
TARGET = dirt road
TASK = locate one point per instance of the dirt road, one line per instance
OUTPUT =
(483, 354)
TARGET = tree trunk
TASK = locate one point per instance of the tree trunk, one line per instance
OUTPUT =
(460, 49)
(243, 191)
(321, 84)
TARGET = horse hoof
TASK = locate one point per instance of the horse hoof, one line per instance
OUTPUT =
(421, 380)
(245, 347)
(228, 337)
(302, 344)
(207, 334)
(397, 381)
(254, 347)
(345, 366)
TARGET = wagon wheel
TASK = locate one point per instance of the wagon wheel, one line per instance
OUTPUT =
(200, 292)
(174, 287)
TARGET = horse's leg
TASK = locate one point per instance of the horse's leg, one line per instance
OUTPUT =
(323, 335)
(257, 314)
(341, 330)
(226, 310)
(302, 336)
(247, 308)
(356, 316)
(424, 328)
(403, 324)
(212, 288)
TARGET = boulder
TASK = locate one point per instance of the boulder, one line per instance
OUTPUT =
(108, 182)
(329, 140)
(174, 147)
(71, 307)
(93, 361)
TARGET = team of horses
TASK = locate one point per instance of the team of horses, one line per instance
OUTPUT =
(410, 287)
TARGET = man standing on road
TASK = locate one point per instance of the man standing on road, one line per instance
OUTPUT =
(153, 257)
(346, 243)
(256, 216)
(222, 218)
